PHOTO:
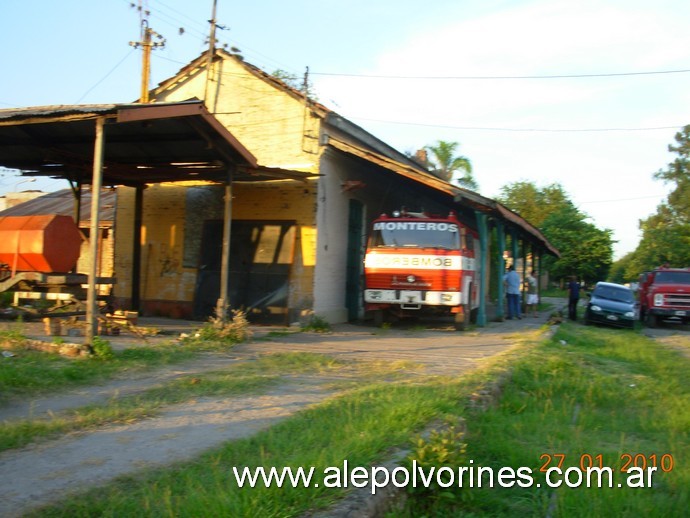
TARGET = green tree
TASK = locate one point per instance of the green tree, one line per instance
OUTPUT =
(295, 82)
(444, 164)
(586, 251)
(620, 270)
(533, 203)
(666, 234)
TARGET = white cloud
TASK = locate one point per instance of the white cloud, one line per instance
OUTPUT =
(542, 38)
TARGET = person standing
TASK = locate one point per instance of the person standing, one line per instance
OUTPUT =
(573, 297)
(532, 297)
(512, 282)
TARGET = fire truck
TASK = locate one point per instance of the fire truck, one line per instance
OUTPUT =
(419, 264)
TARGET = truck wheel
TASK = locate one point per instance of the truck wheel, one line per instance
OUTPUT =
(378, 317)
(651, 320)
(462, 319)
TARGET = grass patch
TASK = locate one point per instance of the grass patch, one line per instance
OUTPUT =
(607, 397)
(31, 372)
(359, 427)
(317, 324)
(603, 395)
(237, 379)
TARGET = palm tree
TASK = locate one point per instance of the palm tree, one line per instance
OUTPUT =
(444, 164)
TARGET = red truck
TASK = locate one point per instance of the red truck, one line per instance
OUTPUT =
(664, 293)
(418, 263)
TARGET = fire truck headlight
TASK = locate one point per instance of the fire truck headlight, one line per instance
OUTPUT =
(446, 297)
(659, 299)
(375, 295)
(411, 278)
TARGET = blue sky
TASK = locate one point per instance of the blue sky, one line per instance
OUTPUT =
(412, 73)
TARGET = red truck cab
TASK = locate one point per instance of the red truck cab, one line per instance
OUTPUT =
(418, 263)
(664, 293)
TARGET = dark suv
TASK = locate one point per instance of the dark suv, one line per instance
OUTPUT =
(611, 304)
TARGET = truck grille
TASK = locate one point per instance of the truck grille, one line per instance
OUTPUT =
(677, 300)
(431, 281)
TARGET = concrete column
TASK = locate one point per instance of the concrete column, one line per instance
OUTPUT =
(500, 270)
(482, 227)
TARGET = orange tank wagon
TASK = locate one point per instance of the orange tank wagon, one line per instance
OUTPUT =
(48, 244)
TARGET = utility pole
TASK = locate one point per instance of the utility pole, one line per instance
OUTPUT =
(147, 45)
(211, 49)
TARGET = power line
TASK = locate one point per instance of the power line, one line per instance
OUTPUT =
(105, 76)
(624, 199)
(519, 130)
(554, 76)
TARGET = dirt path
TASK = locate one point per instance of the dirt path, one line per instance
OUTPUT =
(47, 471)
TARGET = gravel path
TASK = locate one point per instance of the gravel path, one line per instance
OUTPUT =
(46, 471)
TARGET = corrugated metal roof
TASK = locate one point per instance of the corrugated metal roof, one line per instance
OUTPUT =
(144, 143)
(60, 110)
(62, 202)
(455, 194)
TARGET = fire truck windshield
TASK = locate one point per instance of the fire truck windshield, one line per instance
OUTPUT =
(403, 234)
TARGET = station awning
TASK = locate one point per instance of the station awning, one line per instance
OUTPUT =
(144, 143)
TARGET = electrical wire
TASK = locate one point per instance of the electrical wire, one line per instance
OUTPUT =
(105, 76)
(524, 130)
(200, 31)
(554, 76)
(624, 199)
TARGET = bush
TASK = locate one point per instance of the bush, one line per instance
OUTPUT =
(218, 329)
(317, 324)
(443, 449)
(102, 349)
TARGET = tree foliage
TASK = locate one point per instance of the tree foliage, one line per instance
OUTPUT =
(295, 82)
(666, 234)
(586, 251)
(532, 203)
(444, 164)
(619, 272)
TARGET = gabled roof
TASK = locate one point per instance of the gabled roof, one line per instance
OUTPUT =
(345, 136)
(333, 120)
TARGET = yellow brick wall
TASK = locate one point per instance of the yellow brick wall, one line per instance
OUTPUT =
(292, 201)
(276, 128)
(280, 132)
(105, 255)
(163, 275)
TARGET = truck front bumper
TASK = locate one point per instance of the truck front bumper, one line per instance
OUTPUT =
(424, 298)
(669, 312)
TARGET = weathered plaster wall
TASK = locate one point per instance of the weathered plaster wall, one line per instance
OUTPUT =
(170, 257)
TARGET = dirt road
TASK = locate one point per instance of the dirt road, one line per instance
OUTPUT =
(49, 470)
